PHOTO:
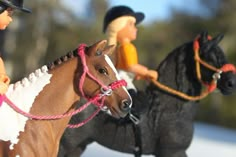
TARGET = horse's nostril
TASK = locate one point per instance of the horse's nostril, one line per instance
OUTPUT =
(231, 84)
(126, 105)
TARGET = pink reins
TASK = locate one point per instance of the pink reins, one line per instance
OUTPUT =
(98, 99)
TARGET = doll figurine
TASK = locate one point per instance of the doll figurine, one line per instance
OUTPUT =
(7, 7)
(120, 27)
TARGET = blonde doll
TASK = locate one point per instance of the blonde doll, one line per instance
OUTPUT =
(120, 27)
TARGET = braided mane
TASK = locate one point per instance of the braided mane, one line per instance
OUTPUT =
(62, 59)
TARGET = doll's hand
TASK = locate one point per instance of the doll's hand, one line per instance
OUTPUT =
(3, 88)
(137, 77)
(4, 78)
(4, 82)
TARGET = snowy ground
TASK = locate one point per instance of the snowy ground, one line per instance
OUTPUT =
(209, 141)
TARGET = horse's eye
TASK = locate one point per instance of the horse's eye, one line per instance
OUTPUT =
(98, 53)
(103, 71)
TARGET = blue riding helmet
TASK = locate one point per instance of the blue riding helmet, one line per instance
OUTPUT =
(14, 4)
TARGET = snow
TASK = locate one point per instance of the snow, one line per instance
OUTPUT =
(208, 141)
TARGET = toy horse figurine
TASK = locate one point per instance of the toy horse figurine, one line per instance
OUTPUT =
(55, 90)
(166, 126)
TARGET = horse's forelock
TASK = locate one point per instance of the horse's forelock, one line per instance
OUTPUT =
(220, 56)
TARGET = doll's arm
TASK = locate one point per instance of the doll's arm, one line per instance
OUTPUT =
(4, 79)
(143, 72)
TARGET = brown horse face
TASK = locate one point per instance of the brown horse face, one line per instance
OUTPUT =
(101, 67)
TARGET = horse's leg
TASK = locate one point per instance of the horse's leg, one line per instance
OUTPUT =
(77, 152)
(2, 149)
(67, 149)
(176, 135)
(70, 148)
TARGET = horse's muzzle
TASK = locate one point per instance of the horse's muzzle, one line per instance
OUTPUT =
(126, 106)
(227, 83)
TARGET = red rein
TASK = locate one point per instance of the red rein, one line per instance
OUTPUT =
(98, 99)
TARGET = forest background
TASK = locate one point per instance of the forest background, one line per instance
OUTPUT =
(53, 29)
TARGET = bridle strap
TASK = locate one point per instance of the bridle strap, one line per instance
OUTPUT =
(225, 68)
(198, 60)
(210, 87)
(81, 53)
(228, 68)
(104, 88)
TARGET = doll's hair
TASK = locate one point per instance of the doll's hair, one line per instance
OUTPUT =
(115, 26)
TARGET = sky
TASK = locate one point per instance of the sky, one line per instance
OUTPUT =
(153, 9)
(160, 9)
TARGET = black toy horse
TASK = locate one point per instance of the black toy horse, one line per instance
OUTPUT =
(166, 126)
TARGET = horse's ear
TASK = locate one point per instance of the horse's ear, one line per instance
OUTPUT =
(217, 39)
(213, 42)
(97, 48)
(203, 37)
(109, 50)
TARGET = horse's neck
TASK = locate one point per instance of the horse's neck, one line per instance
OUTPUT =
(59, 96)
(178, 71)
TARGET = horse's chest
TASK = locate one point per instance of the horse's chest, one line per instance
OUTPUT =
(38, 140)
(148, 134)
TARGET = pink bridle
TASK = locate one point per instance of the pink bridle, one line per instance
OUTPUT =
(98, 99)
(105, 90)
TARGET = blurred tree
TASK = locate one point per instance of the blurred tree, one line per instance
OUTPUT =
(2, 42)
(51, 30)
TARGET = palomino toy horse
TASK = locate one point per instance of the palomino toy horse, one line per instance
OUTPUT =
(56, 89)
(166, 126)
